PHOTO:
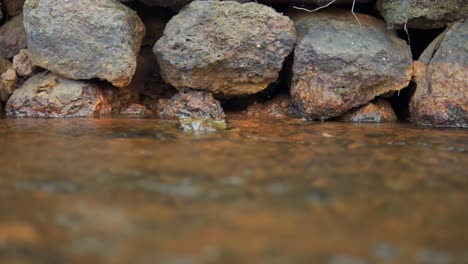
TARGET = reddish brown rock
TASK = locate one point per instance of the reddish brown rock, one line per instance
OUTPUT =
(12, 37)
(136, 110)
(49, 95)
(280, 107)
(23, 65)
(191, 104)
(340, 64)
(8, 81)
(378, 112)
(441, 97)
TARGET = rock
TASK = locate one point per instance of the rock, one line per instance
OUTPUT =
(12, 37)
(339, 65)
(227, 48)
(49, 95)
(201, 125)
(84, 39)
(279, 107)
(378, 112)
(13, 7)
(422, 14)
(441, 97)
(191, 104)
(136, 110)
(23, 65)
(9, 79)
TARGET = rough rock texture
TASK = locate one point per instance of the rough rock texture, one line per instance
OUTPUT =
(12, 37)
(422, 14)
(378, 112)
(48, 95)
(84, 39)
(8, 81)
(225, 47)
(280, 107)
(23, 65)
(191, 104)
(13, 7)
(338, 67)
(441, 97)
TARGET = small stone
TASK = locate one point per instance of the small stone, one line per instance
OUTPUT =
(280, 107)
(136, 110)
(189, 104)
(23, 65)
(378, 112)
(201, 124)
(9, 79)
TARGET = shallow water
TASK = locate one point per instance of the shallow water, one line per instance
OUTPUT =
(140, 191)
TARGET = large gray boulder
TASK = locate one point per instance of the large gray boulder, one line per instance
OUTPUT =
(422, 14)
(84, 39)
(340, 64)
(441, 73)
(227, 48)
(49, 95)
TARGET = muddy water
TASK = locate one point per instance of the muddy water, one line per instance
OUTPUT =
(140, 191)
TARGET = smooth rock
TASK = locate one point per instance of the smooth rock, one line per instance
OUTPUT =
(422, 14)
(340, 64)
(12, 37)
(84, 39)
(378, 112)
(49, 95)
(441, 97)
(227, 48)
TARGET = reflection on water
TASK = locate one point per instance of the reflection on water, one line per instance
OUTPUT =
(140, 191)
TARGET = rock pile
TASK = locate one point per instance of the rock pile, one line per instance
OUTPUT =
(94, 57)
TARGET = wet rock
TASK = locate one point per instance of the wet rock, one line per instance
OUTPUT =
(201, 124)
(23, 65)
(378, 112)
(136, 110)
(191, 104)
(49, 95)
(12, 37)
(280, 107)
(13, 7)
(225, 47)
(422, 14)
(84, 39)
(441, 97)
(339, 65)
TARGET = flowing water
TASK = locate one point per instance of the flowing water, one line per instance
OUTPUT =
(140, 191)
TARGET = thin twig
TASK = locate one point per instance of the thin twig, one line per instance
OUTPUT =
(316, 9)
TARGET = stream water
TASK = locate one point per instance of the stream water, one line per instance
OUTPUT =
(140, 191)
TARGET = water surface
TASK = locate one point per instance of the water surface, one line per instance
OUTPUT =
(141, 191)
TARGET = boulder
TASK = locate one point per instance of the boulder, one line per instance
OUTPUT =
(227, 48)
(8, 81)
(12, 37)
(441, 97)
(23, 65)
(191, 104)
(340, 64)
(378, 112)
(422, 14)
(49, 95)
(84, 39)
